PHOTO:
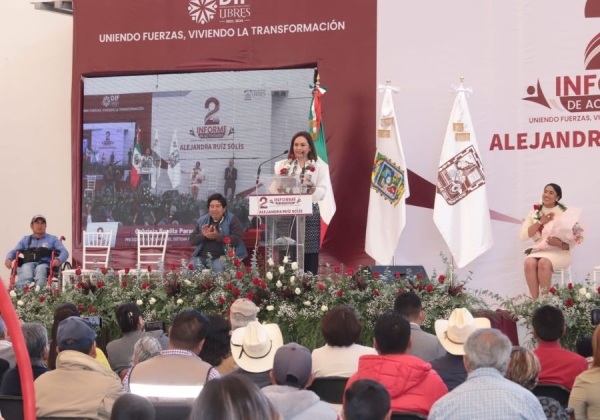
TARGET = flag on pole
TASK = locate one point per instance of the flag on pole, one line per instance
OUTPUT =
(136, 160)
(156, 159)
(461, 211)
(389, 186)
(174, 170)
(327, 204)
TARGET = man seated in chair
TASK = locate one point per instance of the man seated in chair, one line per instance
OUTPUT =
(367, 399)
(37, 250)
(559, 366)
(210, 233)
(487, 394)
(80, 386)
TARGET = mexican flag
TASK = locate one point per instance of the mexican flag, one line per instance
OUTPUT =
(327, 205)
(136, 160)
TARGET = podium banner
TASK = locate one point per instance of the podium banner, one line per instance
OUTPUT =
(280, 205)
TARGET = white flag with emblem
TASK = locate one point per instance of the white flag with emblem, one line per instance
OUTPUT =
(174, 170)
(389, 187)
(461, 211)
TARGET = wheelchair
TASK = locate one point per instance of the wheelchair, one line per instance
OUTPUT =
(54, 273)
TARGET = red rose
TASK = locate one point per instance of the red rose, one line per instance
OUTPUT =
(350, 272)
(340, 293)
(429, 288)
(236, 292)
(376, 274)
(228, 286)
(103, 270)
(230, 253)
(91, 309)
(79, 285)
(397, 275)
(81, 308)
(419, 276)
(190, 267)
(173, 267)
(249, 295)
(227, 240)
(239, 275)
(569, 303)
(441, 278)
(124, 283)
(336, 269)
(248, 270)
(536, 206)
(376, 292)
(400, 291)
(263, 285)
(42, 298)
(598, 289)
(541, 228)
(255, 280)
(283, 171)
(570, 286)
(552, 290)
(127, 269)
(78, 272)
(145, 285)
(312, 168)
(321, 287)
(99, 284)
(292, 156)
(26, 288)
(236, 263)
(149, 269)
(221, 301)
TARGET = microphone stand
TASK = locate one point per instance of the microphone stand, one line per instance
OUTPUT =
(266, 161)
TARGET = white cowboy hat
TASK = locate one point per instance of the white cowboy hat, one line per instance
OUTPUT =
(253, 347)
(453, 333)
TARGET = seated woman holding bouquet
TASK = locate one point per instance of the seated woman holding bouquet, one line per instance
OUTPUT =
(553, 243)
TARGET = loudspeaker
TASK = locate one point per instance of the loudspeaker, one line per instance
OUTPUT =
(171, 194)
(404, 270)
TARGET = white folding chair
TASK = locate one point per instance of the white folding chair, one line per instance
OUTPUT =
(96, 254)
(151, 249)
(562, 273)
(212, 184)
(91, 186)
(596, 270)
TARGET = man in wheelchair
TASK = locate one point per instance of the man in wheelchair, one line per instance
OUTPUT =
(35, 254)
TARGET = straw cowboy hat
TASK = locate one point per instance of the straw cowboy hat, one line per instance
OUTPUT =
(453, 333)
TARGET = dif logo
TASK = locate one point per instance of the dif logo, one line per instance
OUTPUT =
(226, 11)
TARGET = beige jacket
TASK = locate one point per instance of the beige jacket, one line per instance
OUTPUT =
(79, 387)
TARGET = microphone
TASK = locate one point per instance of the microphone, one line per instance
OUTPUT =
(266, 161)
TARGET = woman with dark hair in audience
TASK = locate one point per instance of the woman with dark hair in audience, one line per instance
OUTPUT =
(232, 397)
(523, 369)
(216, 349)
(64, 311)
(132, 407)
(339, 356)
(585, 398)
(129, 318)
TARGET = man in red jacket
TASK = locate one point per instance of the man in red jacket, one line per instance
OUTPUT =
(412, 384)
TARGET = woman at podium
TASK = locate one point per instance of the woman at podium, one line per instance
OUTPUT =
(303, 161)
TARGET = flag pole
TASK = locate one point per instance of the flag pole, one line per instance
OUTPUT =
(388, 82)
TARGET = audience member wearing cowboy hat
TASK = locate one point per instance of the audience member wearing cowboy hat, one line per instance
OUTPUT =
(253, 349)
(452, 334)
(412, 384)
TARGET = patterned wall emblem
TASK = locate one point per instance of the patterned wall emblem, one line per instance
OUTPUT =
(460, 176)
(387, 179)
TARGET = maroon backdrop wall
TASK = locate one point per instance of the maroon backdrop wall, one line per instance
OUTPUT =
(123, 37)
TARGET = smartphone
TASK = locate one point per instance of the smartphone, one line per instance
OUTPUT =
(595, 315)
(94, 321)
(156, 326)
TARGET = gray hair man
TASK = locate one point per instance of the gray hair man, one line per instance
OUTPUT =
(36, 340)
(243, 311)
(487, 393)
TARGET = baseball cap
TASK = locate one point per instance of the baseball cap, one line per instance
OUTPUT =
(75, 333)
(292, 365)
(243, 306)
(38, 216)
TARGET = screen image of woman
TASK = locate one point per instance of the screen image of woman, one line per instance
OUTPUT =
(303, 161)
(554, 230)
